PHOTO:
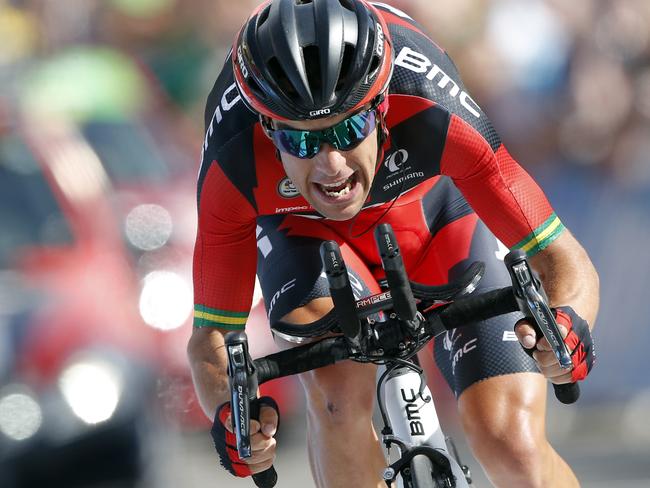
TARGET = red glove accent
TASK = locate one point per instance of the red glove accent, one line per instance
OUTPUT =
(578, 340)
(226, 444)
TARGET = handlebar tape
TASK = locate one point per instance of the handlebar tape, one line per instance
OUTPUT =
(475, 308)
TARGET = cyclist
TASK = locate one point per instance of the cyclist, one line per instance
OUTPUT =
(301, 147)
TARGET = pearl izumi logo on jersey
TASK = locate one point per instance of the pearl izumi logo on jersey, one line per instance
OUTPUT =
(287, 189)
(395, 161)
(399, 170)
(419, 63)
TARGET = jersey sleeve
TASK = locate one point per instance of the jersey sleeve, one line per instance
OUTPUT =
(503, 195)
(224, 255)
(225, 250)
(501, 192)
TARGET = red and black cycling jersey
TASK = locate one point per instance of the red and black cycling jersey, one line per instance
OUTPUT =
(436, 128)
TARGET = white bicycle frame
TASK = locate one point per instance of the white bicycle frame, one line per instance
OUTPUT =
(412, 416)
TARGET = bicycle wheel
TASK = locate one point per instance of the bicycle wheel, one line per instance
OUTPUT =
(422, 473)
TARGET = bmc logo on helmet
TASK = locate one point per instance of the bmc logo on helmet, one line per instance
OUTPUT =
(380, 40)
(322, 111)
(240, 60)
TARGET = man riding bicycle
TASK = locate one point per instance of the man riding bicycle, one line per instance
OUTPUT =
(328, 118)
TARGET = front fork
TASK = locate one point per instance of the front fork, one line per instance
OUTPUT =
(413, 420)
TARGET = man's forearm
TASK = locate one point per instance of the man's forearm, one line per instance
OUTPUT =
(569, 277)
(208, 361)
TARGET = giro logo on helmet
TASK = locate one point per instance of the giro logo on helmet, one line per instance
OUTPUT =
(322, 111)
(240, 59)
(380, 40)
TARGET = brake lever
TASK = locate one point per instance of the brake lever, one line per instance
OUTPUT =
(533, 303)
(243, 389)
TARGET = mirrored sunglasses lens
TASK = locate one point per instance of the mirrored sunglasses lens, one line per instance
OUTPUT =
(353, 130)
(298, 143)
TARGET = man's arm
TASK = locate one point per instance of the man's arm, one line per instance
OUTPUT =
(569, 277)
(570, 280)
(208, 362)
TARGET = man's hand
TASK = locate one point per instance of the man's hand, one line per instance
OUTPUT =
(577, 337)
(262, 442)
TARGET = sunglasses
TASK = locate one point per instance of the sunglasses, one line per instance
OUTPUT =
(345, 135)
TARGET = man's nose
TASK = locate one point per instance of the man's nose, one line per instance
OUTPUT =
(330, 161)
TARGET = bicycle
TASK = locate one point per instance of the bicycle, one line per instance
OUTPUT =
(389, 329)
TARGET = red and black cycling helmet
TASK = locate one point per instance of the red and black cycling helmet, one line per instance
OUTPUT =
(306, 59)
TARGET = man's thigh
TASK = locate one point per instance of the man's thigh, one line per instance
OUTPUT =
(291, 274)
(469, 354)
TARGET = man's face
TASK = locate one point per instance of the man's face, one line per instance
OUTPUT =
(335, 182)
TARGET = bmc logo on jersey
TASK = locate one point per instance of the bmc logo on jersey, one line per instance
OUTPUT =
(287, 189)
(419, 63)
(395, 161)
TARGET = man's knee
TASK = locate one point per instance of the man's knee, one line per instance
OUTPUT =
(511, 448)
(340, 393)
(504, 427)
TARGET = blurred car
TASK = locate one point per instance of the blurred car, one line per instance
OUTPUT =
(95, 280)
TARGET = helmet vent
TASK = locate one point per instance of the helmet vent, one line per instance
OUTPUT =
(374, 66)
(256, 88)
(280, 77)
(263, 16)
(303, 2)
(346, 63)
(311, 57)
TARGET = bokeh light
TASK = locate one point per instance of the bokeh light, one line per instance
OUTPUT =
(92, 389)
(165, 300)
(148, 227)
(20, 414)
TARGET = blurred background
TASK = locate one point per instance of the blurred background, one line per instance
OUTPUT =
(101, 123)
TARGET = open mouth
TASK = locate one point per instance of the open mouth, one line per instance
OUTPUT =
(338, 189)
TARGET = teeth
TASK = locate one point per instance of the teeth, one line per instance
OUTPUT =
(338, 194)
(334, 185)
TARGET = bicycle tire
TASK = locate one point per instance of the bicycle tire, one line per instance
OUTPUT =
(422, 473)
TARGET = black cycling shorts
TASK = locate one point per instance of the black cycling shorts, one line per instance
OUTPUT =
(439, 237)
